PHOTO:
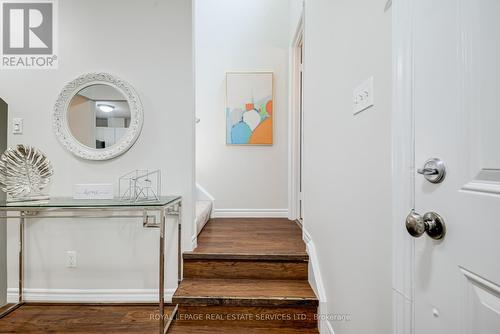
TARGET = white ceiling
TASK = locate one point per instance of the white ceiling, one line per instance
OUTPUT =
(121, 109)
(104, 94)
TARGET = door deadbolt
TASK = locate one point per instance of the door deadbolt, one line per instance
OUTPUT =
(431, 223)
(434, 170)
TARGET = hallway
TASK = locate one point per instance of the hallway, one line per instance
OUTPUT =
(247, 275)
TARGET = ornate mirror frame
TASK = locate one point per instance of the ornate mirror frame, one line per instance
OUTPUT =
(60, 120)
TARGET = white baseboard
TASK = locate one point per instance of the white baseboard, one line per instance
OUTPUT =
(89, 295)
(328, 328)
(313, 259)
(317, 281)
(250, 213)
(194, 242)
(203, 195)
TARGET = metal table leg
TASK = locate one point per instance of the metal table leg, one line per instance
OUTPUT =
(21, 269)
(162, 271)
(21, 258)
(179, 241)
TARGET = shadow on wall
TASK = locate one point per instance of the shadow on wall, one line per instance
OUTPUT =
(3, 226)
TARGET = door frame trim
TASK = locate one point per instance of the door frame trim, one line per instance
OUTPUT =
(294, 136)
(403, 166)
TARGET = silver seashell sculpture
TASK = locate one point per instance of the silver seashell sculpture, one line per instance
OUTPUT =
(24, 172)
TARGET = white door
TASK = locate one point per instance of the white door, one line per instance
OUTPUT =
(457, 119)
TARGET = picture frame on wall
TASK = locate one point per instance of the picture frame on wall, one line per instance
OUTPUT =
(249, 108)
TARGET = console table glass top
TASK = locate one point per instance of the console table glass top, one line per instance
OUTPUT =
(68, 202)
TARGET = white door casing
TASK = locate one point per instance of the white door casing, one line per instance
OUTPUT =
(449, 71)
(295, 126)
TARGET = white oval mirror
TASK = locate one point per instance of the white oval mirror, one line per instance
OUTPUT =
(98, 116)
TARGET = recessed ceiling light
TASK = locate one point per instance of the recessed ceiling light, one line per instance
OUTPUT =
(105, 107)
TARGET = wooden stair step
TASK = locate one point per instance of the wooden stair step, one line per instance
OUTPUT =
(246, 276)
(298, 256)
(251, 236)
(179, 328)
(246, 269)
(245, 292)
(250, 317)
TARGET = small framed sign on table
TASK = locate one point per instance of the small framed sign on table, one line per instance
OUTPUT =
(93, 191)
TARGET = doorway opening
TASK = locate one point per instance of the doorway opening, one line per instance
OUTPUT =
(242, 102)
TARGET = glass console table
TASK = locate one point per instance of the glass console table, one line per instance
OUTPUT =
(152, 213)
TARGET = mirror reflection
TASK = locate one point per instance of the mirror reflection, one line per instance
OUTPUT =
(99, 116)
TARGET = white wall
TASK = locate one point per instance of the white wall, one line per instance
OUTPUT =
(347, 167)
(149, 44)
(241, 35)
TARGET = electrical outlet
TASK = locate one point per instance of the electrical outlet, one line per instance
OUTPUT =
(363, 96)
(71, 259)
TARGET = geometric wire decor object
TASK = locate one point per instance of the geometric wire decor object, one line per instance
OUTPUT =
(24, 172)
(140, 185)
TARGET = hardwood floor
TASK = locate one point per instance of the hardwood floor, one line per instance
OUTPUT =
(246, 276)
(82, 319)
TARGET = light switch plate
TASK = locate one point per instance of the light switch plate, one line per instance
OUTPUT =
(17, 126)
(363, 96)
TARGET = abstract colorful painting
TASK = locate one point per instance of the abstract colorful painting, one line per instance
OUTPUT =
(249, 108)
